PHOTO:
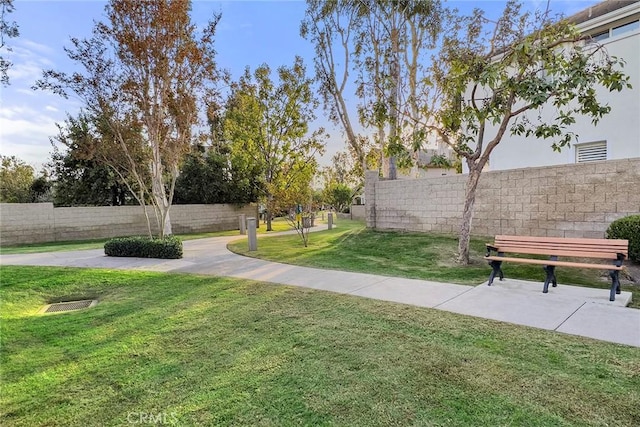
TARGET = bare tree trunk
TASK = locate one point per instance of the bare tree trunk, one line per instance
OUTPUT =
(415, 169)
(384, 160)
(161, 205)
(268, 211)
(161, 202)
(343, 114)
(167, 230)
(267, 215)
(411, 63)
(467, 214)
(146, 214)
(393, 169)
(328, 62)
(395, 82)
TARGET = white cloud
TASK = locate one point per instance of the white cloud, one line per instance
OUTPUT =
(34, 155)
(233, 27)
(29, 59)
(25, 131)
(31, 46)
(26, 91)
(28, 118)
(26, 71)
(25, 125)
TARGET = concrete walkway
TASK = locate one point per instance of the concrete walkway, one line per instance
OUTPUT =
(573, 310)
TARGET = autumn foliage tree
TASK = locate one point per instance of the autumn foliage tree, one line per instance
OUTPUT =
(146, 73)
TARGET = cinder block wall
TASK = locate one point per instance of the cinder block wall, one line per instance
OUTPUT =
(80, 223)
(41, 222)
(203, 218)
(358, 212)
(577, 200)
(26, 223)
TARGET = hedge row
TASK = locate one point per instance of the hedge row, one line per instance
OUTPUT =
(169, 247)
(627, 228)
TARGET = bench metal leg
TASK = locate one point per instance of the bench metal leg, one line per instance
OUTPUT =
(615, 285)
(497, 271)
(615, 279)
(551, 275)
(551, 278)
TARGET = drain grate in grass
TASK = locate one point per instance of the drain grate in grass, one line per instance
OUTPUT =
(69, 306)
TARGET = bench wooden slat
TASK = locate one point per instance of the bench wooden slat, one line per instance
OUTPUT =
(556, 263)
(558, 252)
(601, 248)
(566, 251)
(560, 246)
(561, 240)
(612, 246)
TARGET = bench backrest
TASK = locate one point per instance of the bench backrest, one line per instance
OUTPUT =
(562, 246)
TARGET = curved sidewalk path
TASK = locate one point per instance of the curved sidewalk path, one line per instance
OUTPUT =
(569, 309)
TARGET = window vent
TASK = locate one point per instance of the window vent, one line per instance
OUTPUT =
(591, 152)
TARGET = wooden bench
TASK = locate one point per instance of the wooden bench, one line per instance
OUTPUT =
(615, 251)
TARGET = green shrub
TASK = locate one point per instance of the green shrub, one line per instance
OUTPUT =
(627, 228)
(169, 247)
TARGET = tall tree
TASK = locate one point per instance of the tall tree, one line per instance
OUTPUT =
(8, 29)
(16, 178)
(147, 73)
(499, 77)
(385, 44)
(267, 124)
(394, 45)
(331, 27)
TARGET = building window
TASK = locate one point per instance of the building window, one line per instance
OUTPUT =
(591, 152)
(631, 26)
(600, 36)
(615, 31)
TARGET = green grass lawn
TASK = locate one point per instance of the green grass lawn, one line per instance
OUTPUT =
(278, 224)
(215, 351)
(352, 247)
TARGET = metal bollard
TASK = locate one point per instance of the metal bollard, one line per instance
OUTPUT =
(243, 223)
(330, 220)
(253, 239)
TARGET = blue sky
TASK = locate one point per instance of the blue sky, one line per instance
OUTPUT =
(250, 33)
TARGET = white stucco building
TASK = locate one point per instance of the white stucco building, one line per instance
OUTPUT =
(616, 25)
